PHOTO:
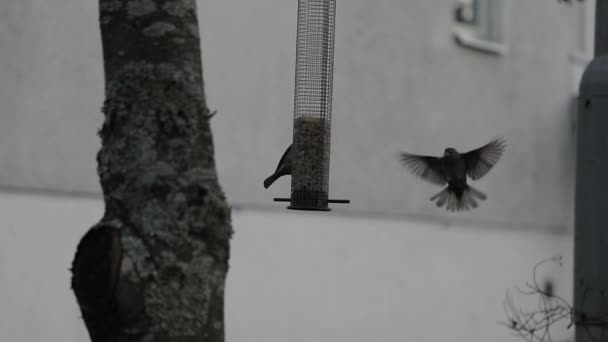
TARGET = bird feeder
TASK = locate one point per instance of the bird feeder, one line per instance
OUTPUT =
(312, 106)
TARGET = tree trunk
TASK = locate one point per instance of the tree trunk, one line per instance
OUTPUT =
(154, 268)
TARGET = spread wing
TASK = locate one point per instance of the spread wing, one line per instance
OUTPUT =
(481, 160)
(284, 156)
(426, 167)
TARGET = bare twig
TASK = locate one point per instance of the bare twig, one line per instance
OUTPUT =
(535, 325)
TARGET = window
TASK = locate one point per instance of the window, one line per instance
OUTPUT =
(479, 24)
(467, 12)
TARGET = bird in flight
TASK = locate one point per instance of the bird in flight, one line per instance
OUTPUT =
(452, 169)
(284, 167)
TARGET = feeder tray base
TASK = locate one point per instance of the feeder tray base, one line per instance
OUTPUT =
(293, 207)
(308, 208)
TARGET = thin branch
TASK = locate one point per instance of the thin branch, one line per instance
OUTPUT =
(535, 325)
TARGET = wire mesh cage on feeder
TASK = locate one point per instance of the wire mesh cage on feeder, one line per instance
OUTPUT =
(313, 102)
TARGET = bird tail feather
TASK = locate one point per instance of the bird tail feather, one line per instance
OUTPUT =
(268, 181)
(467, 201)
(474, 192)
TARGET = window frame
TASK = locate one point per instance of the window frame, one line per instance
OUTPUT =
(488, 33)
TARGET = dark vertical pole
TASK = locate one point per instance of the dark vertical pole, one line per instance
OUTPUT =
(591, 198)
(601, 27)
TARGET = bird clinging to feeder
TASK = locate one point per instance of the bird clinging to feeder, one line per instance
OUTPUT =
(283, 168)
(453, 169)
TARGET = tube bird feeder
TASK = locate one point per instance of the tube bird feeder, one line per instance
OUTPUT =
(312, 106)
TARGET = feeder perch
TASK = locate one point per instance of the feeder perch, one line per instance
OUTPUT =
(312, 106)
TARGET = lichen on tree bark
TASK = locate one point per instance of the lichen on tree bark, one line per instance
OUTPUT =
(157, 172)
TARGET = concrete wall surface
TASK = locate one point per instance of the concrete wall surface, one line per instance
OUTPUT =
(298, 277)
(401, 83)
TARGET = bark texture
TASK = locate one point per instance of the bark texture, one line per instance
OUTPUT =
(154, 268)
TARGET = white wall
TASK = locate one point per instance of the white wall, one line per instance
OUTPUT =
(400, 83)
(295, 276)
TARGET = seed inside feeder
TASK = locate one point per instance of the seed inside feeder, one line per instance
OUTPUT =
(311, 164)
